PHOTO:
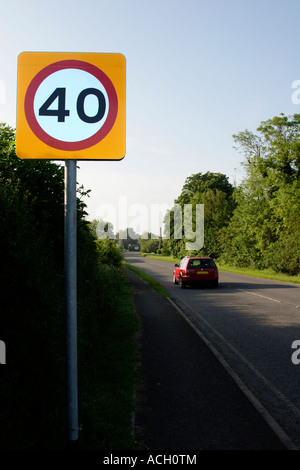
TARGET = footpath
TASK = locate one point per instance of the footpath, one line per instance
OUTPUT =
(188, 401)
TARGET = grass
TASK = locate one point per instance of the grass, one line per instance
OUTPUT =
(33, 382)
(107, 401)
(152, 282)
(170, 258)
(261, 273)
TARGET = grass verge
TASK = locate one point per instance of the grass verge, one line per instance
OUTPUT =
(33, 382)
(152, 282)
(170, 258)
(261, 273)
(107, 399)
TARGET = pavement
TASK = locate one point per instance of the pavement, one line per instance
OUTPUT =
(187, 400)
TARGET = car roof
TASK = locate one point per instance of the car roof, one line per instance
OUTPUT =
(198, 257)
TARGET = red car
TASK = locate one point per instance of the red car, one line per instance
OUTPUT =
(196, 270)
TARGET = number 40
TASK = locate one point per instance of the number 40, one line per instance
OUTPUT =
(61, 112)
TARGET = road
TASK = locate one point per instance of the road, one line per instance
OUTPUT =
(252, 324)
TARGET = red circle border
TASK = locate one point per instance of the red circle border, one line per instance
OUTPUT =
(81, 144)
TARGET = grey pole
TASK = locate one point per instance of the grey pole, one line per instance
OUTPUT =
(71, 298)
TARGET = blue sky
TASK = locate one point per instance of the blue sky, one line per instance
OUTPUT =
(196, 73)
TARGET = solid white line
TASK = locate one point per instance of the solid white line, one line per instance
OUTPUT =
(274, 390)
(284, 438)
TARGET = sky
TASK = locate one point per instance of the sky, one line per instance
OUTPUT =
(197, 72)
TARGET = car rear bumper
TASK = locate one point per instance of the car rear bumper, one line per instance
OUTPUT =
(202, 278)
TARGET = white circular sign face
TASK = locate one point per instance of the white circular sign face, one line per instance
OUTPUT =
(59, 117)
(71, 105)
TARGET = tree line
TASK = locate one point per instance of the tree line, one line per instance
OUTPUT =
(254, 224)
(32, 314)
(257, 223)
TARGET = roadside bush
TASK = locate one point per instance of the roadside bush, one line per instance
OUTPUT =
(32, 300)
(149, 245)
(109, 252)
(32, 314)
(285, 254)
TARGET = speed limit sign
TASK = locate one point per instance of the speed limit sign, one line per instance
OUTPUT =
(71, 106)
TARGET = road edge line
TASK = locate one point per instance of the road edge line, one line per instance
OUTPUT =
(272, 423)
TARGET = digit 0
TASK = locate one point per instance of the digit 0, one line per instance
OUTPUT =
(101, 105)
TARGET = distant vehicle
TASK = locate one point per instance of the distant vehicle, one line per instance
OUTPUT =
(134, 247)
(196, 270)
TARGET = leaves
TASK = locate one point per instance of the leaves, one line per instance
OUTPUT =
(258, 223)
(269, 198)
(216, 193)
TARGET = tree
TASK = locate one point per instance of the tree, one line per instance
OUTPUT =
(214, 191)
(102, 229)
(200, 183)
(109, 252)
(32, 315)
(148, 243)
(268, 209)
(275, 152)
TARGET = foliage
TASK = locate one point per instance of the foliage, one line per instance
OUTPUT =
(284, 255)
(258, 223)
(214, 191)
(109, 253)
(200, 183)
(265, 227)
(102, 229)
(149, 243)
(163, 248)
(31, 274)
(32, 316)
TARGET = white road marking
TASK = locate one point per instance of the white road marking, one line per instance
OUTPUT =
(259, 295)
(270, 298)
(267, 416)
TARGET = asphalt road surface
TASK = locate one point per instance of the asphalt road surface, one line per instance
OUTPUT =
(251, 324)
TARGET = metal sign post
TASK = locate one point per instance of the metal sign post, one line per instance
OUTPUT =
(71, 298)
